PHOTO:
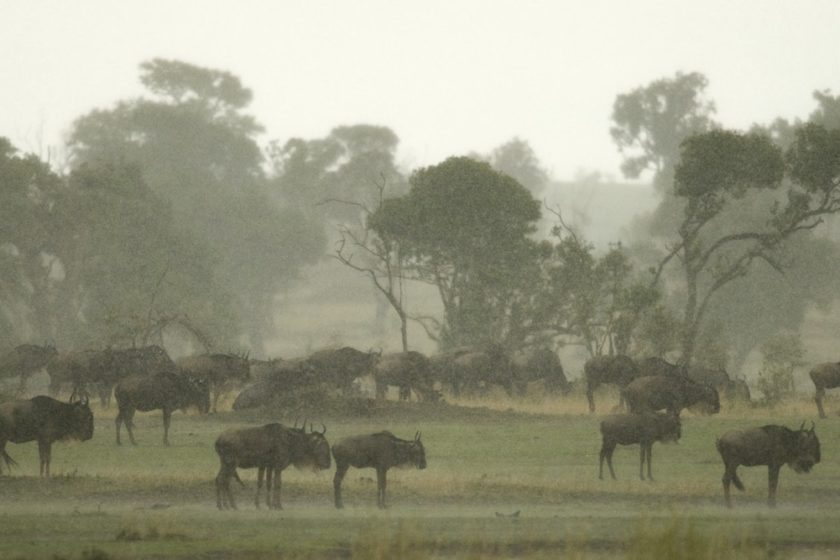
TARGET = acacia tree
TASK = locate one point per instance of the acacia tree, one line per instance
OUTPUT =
(464, 228)
(719, 167)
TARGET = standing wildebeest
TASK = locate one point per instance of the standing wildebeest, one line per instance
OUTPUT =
(615, 370)
(768, 445)
(406, 370)
(731, 389)
(270, 448)
(338, 368)
(119, 364)
(657, 392)
(24, 360)
(219, 370)
(825, 376)
(654, 365)
(628, 429)
(380, 451)
(74, 368)
(46, 420)
(543, 364)
(166, 391)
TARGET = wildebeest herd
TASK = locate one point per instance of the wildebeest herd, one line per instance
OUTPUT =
(653, 390)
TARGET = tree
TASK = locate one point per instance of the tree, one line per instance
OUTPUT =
(197, 150)
(720, 169)
(465, 229)
(517, 159)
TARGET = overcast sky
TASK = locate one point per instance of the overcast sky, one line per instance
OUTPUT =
(448, 76)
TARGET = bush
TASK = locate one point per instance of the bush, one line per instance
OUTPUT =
(782, 354)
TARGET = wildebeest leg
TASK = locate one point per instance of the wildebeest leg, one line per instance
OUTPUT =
(260, 475)
(340, 471)
(648, 450)
(772, 483)
(44, 449)
(590, 396)
(6, 458)
(608, 453)
(167, 419)
(381, 482)
(405, 393)
(223, 487)
(128, 420)
(818, 398)
(606, 449)
(118, 422)
(217, 390)
(275, 492)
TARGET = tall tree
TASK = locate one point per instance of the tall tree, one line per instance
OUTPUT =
(196, 148)
(466, 227)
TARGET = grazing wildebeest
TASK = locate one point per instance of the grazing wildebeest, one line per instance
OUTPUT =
(338, 368)
(768, 445)
(278, 377)
(658, 392)
(45, 420)
(654, 365)
(220, 370)
(535, 364)
(614, 370)
(628, 429)
(24, 360)
(166, 391)
(270, 449)
(406, 370)
(473, 369)
(825, 376)
(380, 451)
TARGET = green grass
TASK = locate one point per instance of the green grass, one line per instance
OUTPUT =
(153, 501)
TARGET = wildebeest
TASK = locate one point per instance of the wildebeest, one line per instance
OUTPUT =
(471, 369)
(220, 370)
(44, 420)
(75, 368)
(731, 389)
(166, 391)
(825, 376)
(654, 365)
(769, 445)
(406, 370)
(658, 392)
(380, 451)
(281, 377)
(542, 364)
(338, 368)
(270, 449)
(628, 429)
(615, 370)
(24, 360)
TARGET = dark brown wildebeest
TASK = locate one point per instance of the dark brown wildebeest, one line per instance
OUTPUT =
(283, 377)
(24, 360)
(406, 370)
(119, 364)
(45, 420)
(654, 365)
(768, 445)
(658, 392)
(613, 370)
(269, 449)
(534, 364)
(220, 371)
(74, 369)
(164, 391)
(731, 389)
(379, 451)
(629, 429)
(338, 368)
(473, 369)
(825, 376)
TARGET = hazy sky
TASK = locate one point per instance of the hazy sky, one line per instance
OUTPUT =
(448, 76)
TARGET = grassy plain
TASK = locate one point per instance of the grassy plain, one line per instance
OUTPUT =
(537, 457)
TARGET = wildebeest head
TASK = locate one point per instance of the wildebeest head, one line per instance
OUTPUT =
(316, 449)
(807, 450)
(416, 452)
(81, 425)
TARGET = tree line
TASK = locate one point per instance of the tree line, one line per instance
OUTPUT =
(170, 215)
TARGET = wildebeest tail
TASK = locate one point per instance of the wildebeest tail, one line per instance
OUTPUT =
(8, 460)
(737, 482)
(239, 480)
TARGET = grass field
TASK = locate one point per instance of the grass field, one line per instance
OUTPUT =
(537, 457)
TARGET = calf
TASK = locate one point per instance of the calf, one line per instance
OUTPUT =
(769, 445)
(629, 429)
